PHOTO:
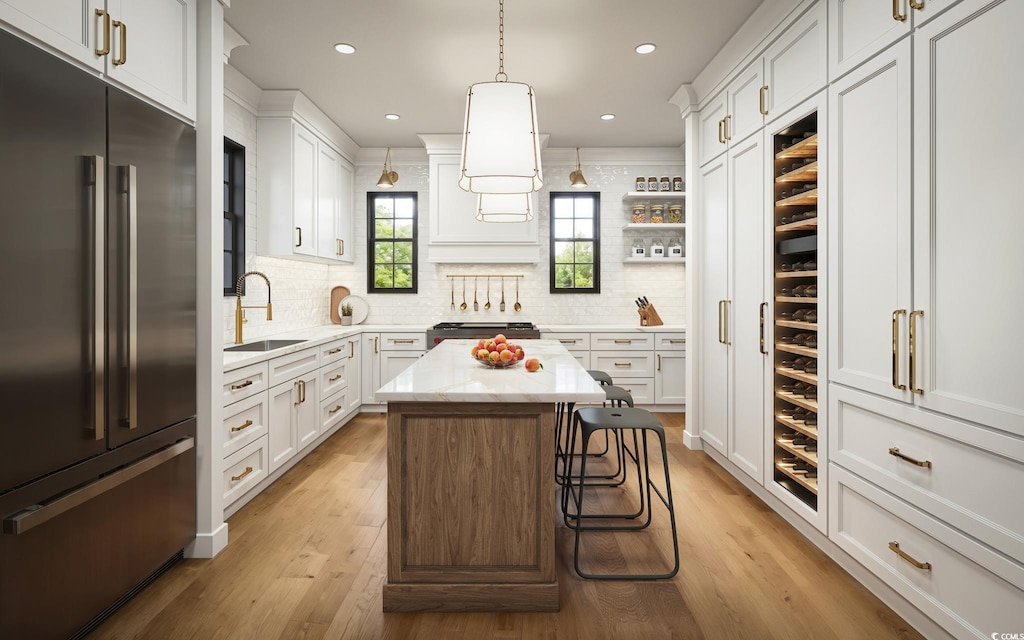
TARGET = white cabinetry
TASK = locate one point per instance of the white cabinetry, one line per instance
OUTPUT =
(333, 206)
(294, 419)
(745, 112)
(385, 355)
(713, 357)
(712, 132)
(148, 47)
(795, 65)
(670, 368)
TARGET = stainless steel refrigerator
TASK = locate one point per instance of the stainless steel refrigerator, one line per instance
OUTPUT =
(97, 344)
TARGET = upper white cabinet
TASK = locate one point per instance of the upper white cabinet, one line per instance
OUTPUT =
(148, 47)
(304, 194)
(712, 128)
(795, 66)
(746, 115)
(858, 29)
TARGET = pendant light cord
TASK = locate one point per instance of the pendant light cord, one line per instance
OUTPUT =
(501, 76)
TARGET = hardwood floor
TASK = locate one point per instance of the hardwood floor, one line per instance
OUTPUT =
(307, 559)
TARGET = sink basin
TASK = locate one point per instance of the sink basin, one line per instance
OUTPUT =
(264, 345)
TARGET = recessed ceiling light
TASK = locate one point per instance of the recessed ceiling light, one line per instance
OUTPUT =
(344, 47)
(644, 49)
(608, 116)
(392, 116)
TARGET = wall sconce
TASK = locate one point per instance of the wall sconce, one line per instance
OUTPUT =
(388, 178)
(576, 177)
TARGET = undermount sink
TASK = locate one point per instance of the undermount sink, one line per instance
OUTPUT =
(264, 345)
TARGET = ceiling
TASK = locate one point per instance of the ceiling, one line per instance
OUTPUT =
(417, 58)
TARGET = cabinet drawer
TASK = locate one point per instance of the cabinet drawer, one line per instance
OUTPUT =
(293, 365)
(571, 341)
(969, 589)
(670, 341)
(333, 410)
(582, 357)
(965, 484)
(622, 364)
(335, 350)
(622, 341)
(244, 382)
(336, 377)
(245, 469)
(642, 389)
(244, 422)
(403, 341)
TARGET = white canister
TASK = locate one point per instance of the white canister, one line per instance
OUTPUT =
(675, 248)
(657, 249)
(639, 249)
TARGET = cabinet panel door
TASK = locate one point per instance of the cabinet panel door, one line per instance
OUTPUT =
(967, 214)
(747, 362)
(370, 367)
(283, 423)
(328, 174)
(354, 394)
(670, 378)
(159, 52)
(744, 117)
(344, 220)
(73, 28)
(304, 149)
(858, 29)
(308, 411)
(712, 144)
(869, 205)
(393, 363)
(796, 66)
(714, 354)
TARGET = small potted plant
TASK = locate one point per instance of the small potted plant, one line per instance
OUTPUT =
(346, 313)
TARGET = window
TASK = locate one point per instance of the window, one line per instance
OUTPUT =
(391, 238)
(234, 214)
(575, 243)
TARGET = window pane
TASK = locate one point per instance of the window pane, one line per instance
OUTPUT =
(403, 207)
(383, 276)
(384, 252)
(227, 166)
(403, 252)
(227, 197)
(563, 228)
(584, 252)
(228, 237)
(228, 275)
(384, 228)
(385, 208)
(563, 207)
(584, 276)
(563, 276)
(585, 228)
(403, 228)
(584, 208)
(403, 276)
(563, 252)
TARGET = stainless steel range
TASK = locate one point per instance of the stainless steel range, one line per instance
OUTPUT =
(469, 330)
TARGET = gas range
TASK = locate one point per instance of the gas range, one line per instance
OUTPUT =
(469, 330)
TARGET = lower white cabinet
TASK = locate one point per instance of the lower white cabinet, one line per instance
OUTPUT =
(294, 420)
(385, 355)
(670, 377)
(245, 469)
(244, 422)
(333, 409)
(642, 389)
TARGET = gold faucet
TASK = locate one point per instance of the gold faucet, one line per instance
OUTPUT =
(238, 303)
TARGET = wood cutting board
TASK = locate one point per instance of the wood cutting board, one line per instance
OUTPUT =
(337, 295)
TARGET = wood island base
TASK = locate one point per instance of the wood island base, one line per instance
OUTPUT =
(471, 507)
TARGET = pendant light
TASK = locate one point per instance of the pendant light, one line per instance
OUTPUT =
(576, 177)
(388, 178)
(500, 142)
(504, 207)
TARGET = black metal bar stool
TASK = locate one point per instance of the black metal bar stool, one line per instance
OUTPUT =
(616, 396)
(602, 378)
(590, 420)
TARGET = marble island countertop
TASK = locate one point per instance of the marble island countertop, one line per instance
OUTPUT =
(448, 373)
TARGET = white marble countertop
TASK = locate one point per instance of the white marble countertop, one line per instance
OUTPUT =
(448, 373)
(625, 328)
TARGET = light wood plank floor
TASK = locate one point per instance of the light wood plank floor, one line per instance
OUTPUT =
(307, 560)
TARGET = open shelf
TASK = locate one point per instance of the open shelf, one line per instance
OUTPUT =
(807, 197)
(800, 401)
(793, 374)
(806, 173)
(806, 148)
(781, 275)
(654, 225)
(799, 225)
(635, 196)
(798, 450)
(655, 260)
(807, 352)
(811, 484)
(796, 324)
(807, 430)
(796, 299)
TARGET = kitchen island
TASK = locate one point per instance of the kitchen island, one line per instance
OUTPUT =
(471, 479)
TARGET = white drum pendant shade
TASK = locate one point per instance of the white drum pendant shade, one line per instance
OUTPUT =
(500, 144)
(504, 207)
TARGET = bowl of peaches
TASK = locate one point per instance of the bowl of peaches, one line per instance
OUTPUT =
(499, 353)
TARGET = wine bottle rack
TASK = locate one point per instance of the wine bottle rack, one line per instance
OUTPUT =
(796, 215)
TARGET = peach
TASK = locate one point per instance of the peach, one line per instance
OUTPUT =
(473, 351)
(506, 356)
(500, 338)
(495, 356)
(533, 364)
(482, 343)
(519, 353)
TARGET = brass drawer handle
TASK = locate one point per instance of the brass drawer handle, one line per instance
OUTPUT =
(659, 362)
(334, 378)
(721, 135)
(623, 364)
(915, 4)
(341, 247)
(236, 387)
(895, 548)
(246, 425)
(124, 42)
(728, 118)
(573, 341)
(334, 351)
(623, 342)
(335, 409)
(105, 49)
(351, 349)
(677, 341)
(404, 341)
(247, 471)
(895, 451)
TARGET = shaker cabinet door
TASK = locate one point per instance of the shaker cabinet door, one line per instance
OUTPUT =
(72, 28)
(714, 353)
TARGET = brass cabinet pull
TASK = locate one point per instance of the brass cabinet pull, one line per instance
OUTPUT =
(915, 4)
(297, 385)
(764, 100)
(677, 341)
(725, 325)
(105, 49)
(334, 351)
(375, 342)
(913, 352)
(896, 15)
(895, 451)
(726, 122)
(123, 58)
(245, 384)
(341, 246)
(303, 383)
(351, 349)
(721, 303)
(334, 378)
(896, 349)
(242, 427)
(334, 410)
(895, 548)
(299, 229)
(623, 364)
(247, 471)
(764, 306)
(721, 138)
(404, 341)
(659, 362)
(623, 341)
(573, 341)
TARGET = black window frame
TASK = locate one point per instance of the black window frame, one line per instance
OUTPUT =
(594, 196)
(371, 240)
(234, 212)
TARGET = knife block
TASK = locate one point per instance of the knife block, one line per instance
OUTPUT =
(649, 317)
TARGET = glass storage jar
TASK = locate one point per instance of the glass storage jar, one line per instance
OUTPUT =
(675, 213)
(666, 184)
(657, 213)
(639, 214)
(652, 183)
(641, 184)
(675, 248)
(657, 248)
(677, 184)
(639, 249)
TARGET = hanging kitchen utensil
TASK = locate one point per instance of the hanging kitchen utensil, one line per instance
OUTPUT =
(463, 305)
(501, 307)
(518, 307)
(453, 294)
(487, 307)
(476, 287)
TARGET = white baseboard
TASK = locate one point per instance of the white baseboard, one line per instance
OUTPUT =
(691, 441)
(208, 545)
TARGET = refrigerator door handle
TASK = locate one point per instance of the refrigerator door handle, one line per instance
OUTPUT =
(38, 514)
(97, 172)
(128, 187)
